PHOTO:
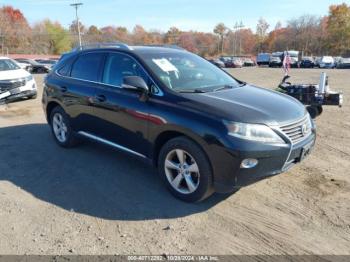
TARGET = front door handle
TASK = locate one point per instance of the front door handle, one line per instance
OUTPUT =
(100, 98)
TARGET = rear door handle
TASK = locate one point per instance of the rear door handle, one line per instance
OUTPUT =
(100, 98)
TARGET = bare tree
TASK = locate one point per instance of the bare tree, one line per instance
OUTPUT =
(221, 30)
(261, 31)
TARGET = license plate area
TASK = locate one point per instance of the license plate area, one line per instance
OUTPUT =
(306, 150)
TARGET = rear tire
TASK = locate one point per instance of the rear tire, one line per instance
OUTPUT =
(61, 128)
(185, 169)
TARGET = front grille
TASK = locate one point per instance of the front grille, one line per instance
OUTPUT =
(6, 85)
(298, 130)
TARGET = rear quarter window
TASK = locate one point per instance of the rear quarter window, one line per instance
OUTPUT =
(65, 69)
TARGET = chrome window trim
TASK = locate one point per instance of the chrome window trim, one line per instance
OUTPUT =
(110, 143)
(160, 91)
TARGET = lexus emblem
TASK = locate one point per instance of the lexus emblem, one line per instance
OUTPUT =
(304, 129)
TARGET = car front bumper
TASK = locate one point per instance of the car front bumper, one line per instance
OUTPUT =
(272, 160)
(28, 90)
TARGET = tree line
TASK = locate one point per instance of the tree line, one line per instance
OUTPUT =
(313, 35)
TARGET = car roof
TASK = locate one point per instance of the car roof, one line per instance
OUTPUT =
(4, 57)
(137, 49)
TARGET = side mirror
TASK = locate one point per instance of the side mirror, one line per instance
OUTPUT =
(135, 83)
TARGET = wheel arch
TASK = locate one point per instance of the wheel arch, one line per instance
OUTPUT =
(167, 135)
(50, 106)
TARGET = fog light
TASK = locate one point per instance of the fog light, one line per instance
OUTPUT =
(249, 163)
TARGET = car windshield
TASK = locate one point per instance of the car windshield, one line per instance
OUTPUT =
(8, 64)
(186, 72)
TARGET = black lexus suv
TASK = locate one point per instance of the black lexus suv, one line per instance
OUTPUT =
(203, 129)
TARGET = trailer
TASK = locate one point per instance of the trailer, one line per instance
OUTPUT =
(313, 96)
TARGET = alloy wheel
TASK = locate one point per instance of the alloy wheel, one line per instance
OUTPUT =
(59, 127)
(182, 171)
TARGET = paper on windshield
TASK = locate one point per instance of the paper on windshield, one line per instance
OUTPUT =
(165, 65)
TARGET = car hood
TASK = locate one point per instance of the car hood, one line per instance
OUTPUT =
(249, 104)
(13, 74)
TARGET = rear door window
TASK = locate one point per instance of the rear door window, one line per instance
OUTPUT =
(88, 67)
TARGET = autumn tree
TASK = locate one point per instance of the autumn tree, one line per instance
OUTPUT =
(73, 30)
(172, 36)
(139, 35)
(40, 39)
(93, 35)
(14, 30)
(187, 41)
(248, 41)
(338, 28)
(59, 38)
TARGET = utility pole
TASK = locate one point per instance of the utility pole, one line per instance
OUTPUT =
(235, 27)
(76, 6)
(2, 37)
(241, 26)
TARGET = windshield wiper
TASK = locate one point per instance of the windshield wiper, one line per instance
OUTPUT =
(223, 88)
(228, 86)
(192, 91)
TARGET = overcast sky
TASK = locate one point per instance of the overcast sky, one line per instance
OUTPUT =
(199, 15)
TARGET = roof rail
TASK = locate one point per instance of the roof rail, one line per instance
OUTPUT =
(119, 45)
(167, 46)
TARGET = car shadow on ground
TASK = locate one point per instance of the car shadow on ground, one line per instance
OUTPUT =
(90, 179)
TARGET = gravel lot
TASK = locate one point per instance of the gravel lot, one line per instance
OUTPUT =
(94, 200)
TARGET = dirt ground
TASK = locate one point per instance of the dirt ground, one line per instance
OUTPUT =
(94, 200)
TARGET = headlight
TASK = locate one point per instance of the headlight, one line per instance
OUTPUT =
(29, 78)
(254, 132)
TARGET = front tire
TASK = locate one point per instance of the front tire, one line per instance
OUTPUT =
(33, 96)
(61, 128)
(185, 169)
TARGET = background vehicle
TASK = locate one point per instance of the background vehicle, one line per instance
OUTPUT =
(343, 63)
(25, 66)
(294, 55)
(317, 61)
(227, 60)
(275, 61)
(248, 62)
(237, 62)
(217, 62)
(307, 62)
(337, 60)
(263, 59)
(36, 67)
(327, 62)
(176, 110)
(15, 82)
(46, 62)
